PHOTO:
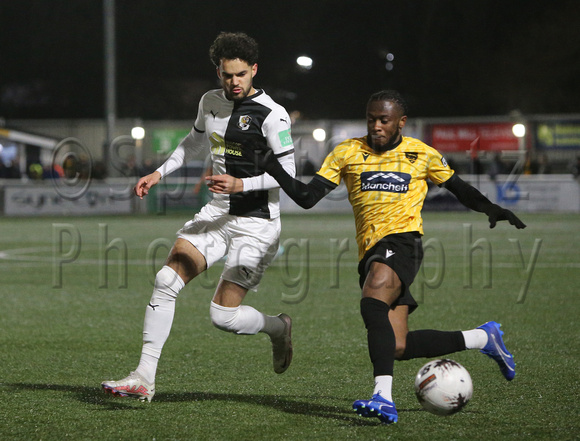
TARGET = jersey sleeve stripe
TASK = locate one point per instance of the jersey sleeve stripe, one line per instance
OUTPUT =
(287, 152)
(321, 181)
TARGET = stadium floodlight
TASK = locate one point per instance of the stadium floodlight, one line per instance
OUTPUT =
(519, 130)
(138, 133)
(319, 134)
(304, 62)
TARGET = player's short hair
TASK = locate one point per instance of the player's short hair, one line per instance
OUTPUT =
(392, 96)
(232, 45)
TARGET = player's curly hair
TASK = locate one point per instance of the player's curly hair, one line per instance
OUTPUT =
(232, 45)
(390, 95)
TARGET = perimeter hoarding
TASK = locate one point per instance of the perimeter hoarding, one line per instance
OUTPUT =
(464, 137)
(558, 135)
(43, 200)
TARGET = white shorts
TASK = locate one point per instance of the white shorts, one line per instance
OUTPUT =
(250, 243)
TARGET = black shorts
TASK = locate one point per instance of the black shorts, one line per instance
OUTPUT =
(403, 252)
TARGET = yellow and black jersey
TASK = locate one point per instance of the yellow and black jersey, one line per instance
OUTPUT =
(386, 189)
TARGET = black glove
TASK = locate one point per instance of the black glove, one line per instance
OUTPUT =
(497, 213)
(258, 153)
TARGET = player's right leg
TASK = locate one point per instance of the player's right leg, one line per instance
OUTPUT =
(183, 263)
(430, 343)
(132, 386)
(382, 287)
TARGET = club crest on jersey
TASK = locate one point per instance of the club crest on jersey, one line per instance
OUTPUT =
(411, 156)
(244, 122)
(392, 182)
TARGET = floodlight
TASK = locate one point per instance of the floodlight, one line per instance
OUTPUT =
(138, 132)
(319, 134)
(304, 61)
(519, 130)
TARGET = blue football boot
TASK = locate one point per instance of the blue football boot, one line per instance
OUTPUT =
(495, 348)
(377, 407)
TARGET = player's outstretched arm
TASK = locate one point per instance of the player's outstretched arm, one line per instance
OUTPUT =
(305, 195)
(182, 153)
(473, 199)
(145, 183)
(497, 213)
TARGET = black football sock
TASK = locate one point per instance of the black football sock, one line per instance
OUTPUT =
(431, 343)
(380, 335)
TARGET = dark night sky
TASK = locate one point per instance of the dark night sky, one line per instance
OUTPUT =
(452, 57)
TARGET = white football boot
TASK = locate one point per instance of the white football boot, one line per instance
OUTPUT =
(133, 386)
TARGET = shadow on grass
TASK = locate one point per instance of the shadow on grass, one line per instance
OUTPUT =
(301, 405)
(90, 395)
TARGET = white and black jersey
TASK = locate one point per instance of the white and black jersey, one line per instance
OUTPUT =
(225, 127)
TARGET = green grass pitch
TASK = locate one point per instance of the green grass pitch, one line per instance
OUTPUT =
(73, 293)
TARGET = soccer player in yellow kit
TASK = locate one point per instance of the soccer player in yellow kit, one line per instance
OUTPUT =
(385, 174)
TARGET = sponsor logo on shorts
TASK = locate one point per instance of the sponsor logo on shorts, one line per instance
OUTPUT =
(392, 182)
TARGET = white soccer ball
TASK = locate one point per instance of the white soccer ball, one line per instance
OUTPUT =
(443, 387)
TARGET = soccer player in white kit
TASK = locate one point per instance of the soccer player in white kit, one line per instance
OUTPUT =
(242, 221)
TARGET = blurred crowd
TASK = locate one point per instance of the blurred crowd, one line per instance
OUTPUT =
(82, 168)
(73, 168)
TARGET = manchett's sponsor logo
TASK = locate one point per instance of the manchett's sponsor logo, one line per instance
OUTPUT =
(393, 182)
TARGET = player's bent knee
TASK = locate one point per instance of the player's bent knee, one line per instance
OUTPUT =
(167, 283)
(243, 320)
(223, 318)
(400, 350)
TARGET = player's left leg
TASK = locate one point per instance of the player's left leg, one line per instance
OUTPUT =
(253, 245)
(228, 314)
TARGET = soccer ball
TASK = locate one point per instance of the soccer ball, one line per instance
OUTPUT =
(443, 387)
